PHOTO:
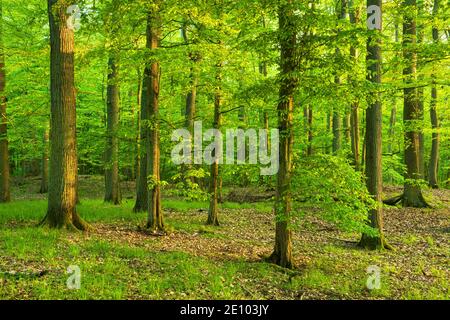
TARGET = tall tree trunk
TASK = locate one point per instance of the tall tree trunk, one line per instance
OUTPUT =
(155, 221)
(354, 13)
(309, 150)
(412, 195)
(62, 196)
(337, 119)
(141, 204)
(420, 102)
(137, 122)
(214, 184)
(373, 169)
(434, 157)
(5, 195)
(191, 99)
(44, 165)
(282, 253)
(112, 187)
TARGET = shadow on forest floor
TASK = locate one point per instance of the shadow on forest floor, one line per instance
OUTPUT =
(195, 261)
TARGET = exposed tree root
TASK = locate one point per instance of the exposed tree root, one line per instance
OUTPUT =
(393, 201)
(374, 243)
(417, 203)
(74, 224)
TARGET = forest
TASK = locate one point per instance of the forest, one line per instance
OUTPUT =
(225, 150)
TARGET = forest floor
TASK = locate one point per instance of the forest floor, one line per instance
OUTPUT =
(198, 262)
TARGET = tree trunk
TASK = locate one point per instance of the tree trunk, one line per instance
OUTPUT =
(373, 169)
(434, 157)
(62, 196)
(155, 221)
(112, 187)
(309, 151)
(412, 195)
(282, 253)
(141, 204)
(191, 99)
(337, 119)
(5, 195)
(354, 14)
(44, 165)
(214, 184)
(420, 102)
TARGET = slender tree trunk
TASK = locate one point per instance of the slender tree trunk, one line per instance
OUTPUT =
(44, 165)
(329, 147)
(309, 151)
(138, 128)
(337, 128)
(434, 157)
(420, 102)
(282, 253)
(412, 195)
(337, 119)
(347, 128)
(354, 13)
(112, 187)
(191, 99)
(373, 169)
(5, 195)
(155, 221)
(62, 196)
(141, 204)
(214, 185)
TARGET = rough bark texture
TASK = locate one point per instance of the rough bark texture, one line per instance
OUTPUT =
(155, 221)
(412, 195)
(373, 171)
(434, 157)
(112, 187)
(5, 195)
(141, 204)
(44, 164)
(62, 196)
(282, 253)
(214, 183)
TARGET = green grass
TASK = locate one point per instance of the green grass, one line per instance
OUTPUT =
(117, 267)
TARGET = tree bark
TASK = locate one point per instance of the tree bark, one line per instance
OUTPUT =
(412, 195)
(354, 14)
(5, 194)
(112, 187)
(282, 253)
(373, 168)
(191, 99)
(62, 196)
(44, 165)
(434, 157)
(155, 221)
(141, 204)
(214, 184)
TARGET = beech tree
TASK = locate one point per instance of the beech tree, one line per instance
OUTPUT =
(62, 195)
(373, 170)
(412, 194)
(4, 152)
(155, 221)
(112, 186)
(435, 143)
(282, 253)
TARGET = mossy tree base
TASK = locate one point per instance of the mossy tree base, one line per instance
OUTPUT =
(408, 202)
(374, 243)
